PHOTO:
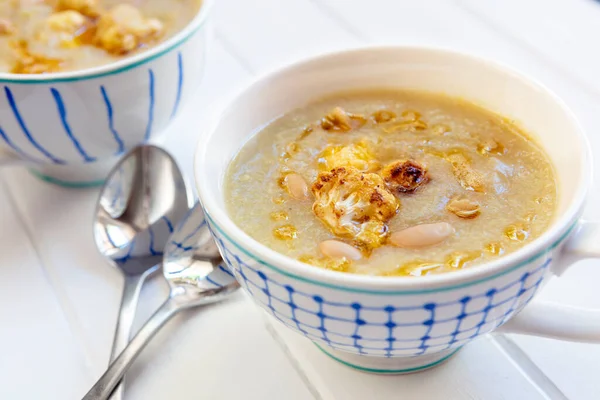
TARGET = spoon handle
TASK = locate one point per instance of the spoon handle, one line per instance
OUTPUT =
(129, 300)
(103, 388)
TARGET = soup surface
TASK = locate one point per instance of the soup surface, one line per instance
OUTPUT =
(391, 183)
(42, 36)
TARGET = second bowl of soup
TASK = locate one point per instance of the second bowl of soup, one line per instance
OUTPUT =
(83, 81)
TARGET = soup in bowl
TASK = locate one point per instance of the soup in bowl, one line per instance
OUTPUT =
(393, 204)
(84, 81)
(392, 183)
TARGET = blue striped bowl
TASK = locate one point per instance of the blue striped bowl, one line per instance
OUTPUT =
(70, 127)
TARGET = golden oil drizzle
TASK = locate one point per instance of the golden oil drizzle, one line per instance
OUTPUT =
(458, 259)
(279, 216)
(516, 232)
(340, 264)
(278, 200)
(285, 232)
(494, 248)
(415, 268)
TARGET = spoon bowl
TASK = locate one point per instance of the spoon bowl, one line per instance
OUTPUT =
(143, 197)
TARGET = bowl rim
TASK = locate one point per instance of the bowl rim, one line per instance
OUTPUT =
(118, 66)
(563, 226)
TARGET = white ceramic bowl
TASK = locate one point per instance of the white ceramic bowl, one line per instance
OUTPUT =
(70, 127)
(400, 324)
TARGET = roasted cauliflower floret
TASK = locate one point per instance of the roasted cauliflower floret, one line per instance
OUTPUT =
(66, 21)
(404, 176)
(88, 8)
(356, 155)
(354, 205)
(62, 28)
(124, 29)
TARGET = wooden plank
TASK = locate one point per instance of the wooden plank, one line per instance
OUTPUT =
(41, 355)
(218, 352)
(565, 32)
(61, 227)
(266, 33)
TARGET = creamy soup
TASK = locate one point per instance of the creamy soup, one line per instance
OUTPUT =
(42, 36)
(391, 183)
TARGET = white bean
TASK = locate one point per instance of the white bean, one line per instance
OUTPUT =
(464, 208)
(421, 235)
(337, 249)
(296, 186)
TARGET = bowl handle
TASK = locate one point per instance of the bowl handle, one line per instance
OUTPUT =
(558, 321)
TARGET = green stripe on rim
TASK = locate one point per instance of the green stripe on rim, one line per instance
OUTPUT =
(68, 184)
(392, 292)
(389, 371)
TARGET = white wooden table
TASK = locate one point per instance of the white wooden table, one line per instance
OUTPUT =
(59, 299)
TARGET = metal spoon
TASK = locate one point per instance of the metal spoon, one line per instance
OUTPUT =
(196, 276)
(143, 196)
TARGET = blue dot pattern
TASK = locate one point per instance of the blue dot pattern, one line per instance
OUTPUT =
(401, 326)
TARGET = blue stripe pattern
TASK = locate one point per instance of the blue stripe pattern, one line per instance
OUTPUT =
(111, 126)
(62, 105)
(151, 247)
(151, 107)
(179, 84)
(169, 224)
(15, 110)
(62, 111)
(226, 271)
(212, 281)
(15, 147)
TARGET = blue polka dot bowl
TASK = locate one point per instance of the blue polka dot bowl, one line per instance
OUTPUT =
(403, 324)
(71, 127)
